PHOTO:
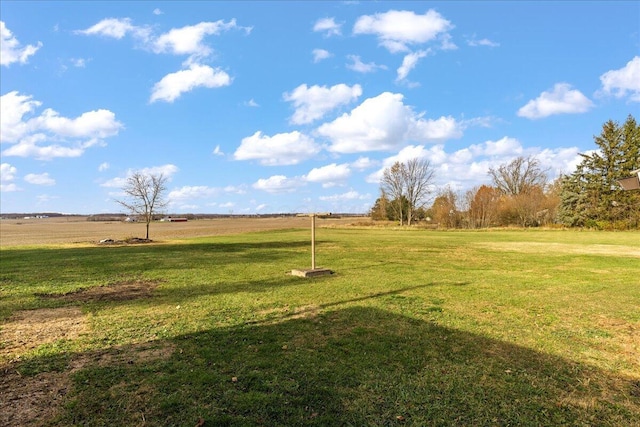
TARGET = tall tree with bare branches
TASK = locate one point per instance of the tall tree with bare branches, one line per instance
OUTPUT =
(520, 175)
(145, 194)
(408, 185)
(392, 184)
(418, 182)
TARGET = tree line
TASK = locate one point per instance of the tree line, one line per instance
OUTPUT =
(521, 193)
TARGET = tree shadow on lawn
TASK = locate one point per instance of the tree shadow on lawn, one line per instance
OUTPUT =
(354, 366)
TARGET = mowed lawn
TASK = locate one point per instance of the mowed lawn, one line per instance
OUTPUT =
(415, 328)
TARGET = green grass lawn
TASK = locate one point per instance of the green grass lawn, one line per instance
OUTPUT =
(415, 328)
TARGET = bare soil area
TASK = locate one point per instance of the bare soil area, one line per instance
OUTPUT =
(29, 400)
(68, 230)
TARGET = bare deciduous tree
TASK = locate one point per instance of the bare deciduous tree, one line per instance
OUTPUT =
(144, 195)
(407, 183)
(392, 184)
(418, 179)
(521, 175)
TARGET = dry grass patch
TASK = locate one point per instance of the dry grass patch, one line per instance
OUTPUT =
(28, 329)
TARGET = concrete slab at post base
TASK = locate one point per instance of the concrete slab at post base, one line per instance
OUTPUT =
(311, 272)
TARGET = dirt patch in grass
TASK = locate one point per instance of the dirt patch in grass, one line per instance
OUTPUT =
(120, 291)
(28, 329)
(31, 400)
(35, 400)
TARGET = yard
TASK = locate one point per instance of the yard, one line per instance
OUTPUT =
(416, 327)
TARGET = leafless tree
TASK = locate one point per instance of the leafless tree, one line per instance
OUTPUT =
(418, 181)
(392, 184)
(521, 175)
(408, 185)
(145, 194)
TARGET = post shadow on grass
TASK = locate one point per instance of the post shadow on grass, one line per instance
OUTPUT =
(354, 366)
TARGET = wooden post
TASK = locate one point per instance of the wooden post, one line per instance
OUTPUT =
(314, 271)
(313, 241)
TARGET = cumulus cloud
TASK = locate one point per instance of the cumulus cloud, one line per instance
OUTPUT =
(7, 176)
(320, 54)
(361, 67)
(51, 135)
(623, 82)
(560, 100)
(328, 26)
(103, 167)
(278, 184)
(39, 179)
(330, 175)
(175, 84)
(409, 62)
(188, 40)
(116, 28)
(385, 123)
(157, 11)
(397, 30)
(363, 163)
(252, 103)
(314, 102)
(11, 50)
(280, 149)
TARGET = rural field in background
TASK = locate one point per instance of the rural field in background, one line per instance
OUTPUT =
(416, 327)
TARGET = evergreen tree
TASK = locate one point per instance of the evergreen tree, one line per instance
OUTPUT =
(591, 196)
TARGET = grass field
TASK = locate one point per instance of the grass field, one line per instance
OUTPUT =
(416, 327)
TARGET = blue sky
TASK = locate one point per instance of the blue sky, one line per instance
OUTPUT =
(263, 107)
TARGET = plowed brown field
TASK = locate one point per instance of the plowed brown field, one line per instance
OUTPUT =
(61, 230)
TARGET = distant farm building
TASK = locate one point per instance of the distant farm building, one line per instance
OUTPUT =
(174, 219)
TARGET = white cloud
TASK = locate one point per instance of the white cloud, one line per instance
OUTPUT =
(474, 42)
(345, 197)
(217, 151)
(39, 179)
(280, 149)
(314, 102)
(278, 184)
(409, 62)
(191, 192)
(175, 84)
(7, 175)
(396, 30)
(561, 100)
(364, 163)
(103, 167)
(10, 49)
(623, 82)
(235, 189)
(252, 103)
(188, 40)
(7, 172)
(503, 147)
(384, 123)
(330, 175)
(167, 171)
(78, 62)
(50, 135)
(116, 28)
(361, 67)
(320, 54)
(157, 11)
(328, 26)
